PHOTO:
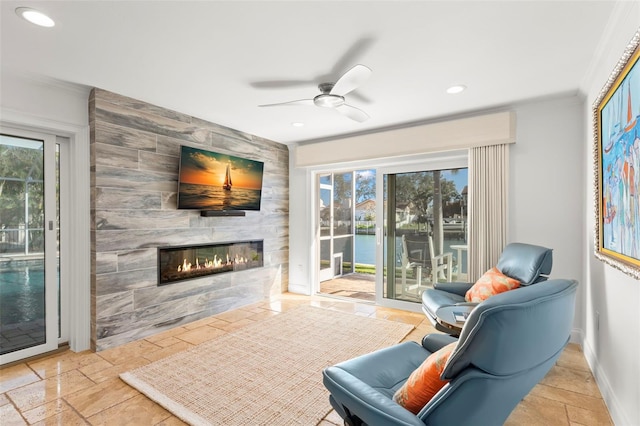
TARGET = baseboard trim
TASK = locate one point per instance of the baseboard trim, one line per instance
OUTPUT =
(617, 414)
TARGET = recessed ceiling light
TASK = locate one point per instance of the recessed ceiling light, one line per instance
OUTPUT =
(456, 89)
(297, 124)
(35, 17)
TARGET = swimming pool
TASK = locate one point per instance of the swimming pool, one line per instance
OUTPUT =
(22, 292)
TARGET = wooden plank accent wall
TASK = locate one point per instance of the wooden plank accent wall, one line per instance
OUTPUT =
(135, 150)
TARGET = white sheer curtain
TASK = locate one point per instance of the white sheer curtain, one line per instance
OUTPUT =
(488, 189)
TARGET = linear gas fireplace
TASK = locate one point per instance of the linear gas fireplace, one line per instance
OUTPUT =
(179, 263)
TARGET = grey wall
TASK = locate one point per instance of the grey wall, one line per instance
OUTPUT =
(546, 181)
(134, 170)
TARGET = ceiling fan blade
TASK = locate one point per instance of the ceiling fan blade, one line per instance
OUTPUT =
(353, 113)
(351, 80)
(307, 102)
(353, 55)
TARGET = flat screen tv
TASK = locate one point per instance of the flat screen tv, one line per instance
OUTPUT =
(218, 182)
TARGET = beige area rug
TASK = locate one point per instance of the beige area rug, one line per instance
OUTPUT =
(268, 373)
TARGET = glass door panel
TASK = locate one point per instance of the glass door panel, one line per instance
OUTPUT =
(29, 273)
(343, 218)
(326, 260)
(424, 219)
(325, 210)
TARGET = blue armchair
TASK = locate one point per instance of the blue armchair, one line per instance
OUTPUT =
(527, 263)
(507, 345)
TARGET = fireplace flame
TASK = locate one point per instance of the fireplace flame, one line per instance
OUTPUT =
(211, 264)
(187, 262)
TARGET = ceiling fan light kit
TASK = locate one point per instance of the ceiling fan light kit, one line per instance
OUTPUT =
(332, 94)
(328, 101)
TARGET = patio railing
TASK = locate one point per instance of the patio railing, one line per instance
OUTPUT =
(21, 240)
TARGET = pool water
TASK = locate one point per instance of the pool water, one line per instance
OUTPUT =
(21, 295)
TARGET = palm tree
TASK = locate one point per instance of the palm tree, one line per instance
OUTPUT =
(438, 230)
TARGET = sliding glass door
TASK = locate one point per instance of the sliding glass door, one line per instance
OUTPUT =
(30, 322)
(386, 234)
(422, 227)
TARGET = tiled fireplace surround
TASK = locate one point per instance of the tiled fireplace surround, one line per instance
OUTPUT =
(134, 169)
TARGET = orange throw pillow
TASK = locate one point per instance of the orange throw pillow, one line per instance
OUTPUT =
(490, 284)
(425, 381)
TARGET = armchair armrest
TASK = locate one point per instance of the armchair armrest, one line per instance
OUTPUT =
(365, 384)
(456, 288)
(370, 405)
(435, 342)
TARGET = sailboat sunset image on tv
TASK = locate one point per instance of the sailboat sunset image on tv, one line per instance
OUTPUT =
(227, 179)
(213, 181)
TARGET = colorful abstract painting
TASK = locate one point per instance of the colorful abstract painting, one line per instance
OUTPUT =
(618, 116)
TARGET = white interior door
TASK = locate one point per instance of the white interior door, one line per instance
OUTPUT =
(29, 244)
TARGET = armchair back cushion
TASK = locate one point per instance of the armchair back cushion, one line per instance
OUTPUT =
(526, 263)
(517, 322)
(507, 345)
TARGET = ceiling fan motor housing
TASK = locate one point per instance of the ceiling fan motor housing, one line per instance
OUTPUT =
(328, 101)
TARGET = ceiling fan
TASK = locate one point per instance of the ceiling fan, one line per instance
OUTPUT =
(332, 94)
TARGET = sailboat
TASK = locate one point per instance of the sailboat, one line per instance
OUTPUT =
(227, 180)
(631, 120)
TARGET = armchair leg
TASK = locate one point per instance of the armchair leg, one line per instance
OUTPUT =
(350, 422)
(351, 419)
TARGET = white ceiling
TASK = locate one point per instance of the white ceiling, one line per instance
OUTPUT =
(219, 60)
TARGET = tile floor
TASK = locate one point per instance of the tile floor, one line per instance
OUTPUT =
(84, 388)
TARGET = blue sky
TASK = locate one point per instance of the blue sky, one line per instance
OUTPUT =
(461, 178)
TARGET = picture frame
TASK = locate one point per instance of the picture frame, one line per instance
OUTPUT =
(616, 118)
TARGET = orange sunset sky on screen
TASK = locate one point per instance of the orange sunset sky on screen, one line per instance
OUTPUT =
(215, 177)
